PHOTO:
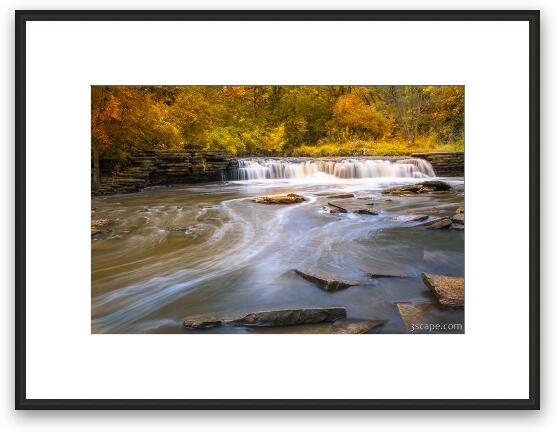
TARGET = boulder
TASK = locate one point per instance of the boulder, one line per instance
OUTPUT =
(449, 290)
(418, 188)
(289, 317)
(327, 283)
(280, 199)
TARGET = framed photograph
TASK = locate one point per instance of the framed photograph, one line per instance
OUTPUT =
(266, 210)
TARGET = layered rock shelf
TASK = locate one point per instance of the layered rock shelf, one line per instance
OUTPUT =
(447, 164)
(158, 168)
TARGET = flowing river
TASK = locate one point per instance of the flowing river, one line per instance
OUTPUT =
(175, 251)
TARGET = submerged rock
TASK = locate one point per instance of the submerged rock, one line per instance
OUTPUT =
(355, 326)
(389, 275)
(326, 283)
(460, 210)
(457, 227)
(418, 188)
(449, 290)
(185, 230)
(289, 317)
(280, 199)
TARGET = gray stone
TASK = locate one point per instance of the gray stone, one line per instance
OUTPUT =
(327, 283)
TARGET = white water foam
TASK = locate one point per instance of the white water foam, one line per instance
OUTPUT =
(266, 169)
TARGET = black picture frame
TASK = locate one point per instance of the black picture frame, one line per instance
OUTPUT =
(531, 16)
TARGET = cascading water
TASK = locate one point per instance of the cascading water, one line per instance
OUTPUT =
(259, 169)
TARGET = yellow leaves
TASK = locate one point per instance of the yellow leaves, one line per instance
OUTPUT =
(350, 110)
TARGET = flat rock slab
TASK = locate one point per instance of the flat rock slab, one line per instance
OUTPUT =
(341, 196)
(353, 205)
(289, 317)
(342, 326)
(449, 290)
(418, 188)
(279, 199)
(325, 282)
(437, 223)
(415, 313)
(367, 211)
(286, 317)
(202, 321)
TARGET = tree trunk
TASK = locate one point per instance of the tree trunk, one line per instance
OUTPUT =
(96, 169)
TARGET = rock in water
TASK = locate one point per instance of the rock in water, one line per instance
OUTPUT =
(437, 223)
(326, 283)
(97, 225)
(341, 196)
(331, 208)
(414, 313)
(419, 188)
(413, 218)
(367, 211)
(334, 209)
(449, 290)
(443, 223)
(289, 317)
(355, 326)
(280, 199)
(460, 210)
(458, 218)
(202, 321)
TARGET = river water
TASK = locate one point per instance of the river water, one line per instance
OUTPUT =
(175, 251)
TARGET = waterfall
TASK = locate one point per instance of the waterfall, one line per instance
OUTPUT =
(258, 169)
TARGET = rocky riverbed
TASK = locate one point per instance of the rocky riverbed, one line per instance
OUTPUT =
(314, 255)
